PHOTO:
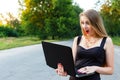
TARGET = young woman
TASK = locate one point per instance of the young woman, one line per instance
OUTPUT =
(93, 51)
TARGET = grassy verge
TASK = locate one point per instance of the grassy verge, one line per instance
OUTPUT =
(11, 42)
(116, 40)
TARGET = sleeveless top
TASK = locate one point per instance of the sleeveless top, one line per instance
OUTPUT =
(90, 57)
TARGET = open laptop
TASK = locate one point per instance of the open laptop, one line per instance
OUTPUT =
(56, 53)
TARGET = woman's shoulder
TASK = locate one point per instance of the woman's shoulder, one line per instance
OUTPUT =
(76, 37)
(109, 40)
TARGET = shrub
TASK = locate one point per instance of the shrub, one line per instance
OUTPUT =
(7, 32)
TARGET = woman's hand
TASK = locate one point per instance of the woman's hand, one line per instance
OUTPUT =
(88, 69)
(60, 70)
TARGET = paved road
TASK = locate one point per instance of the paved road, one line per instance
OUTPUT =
(28, 63)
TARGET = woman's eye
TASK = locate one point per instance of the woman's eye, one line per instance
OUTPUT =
(87, 23)
(82, 22)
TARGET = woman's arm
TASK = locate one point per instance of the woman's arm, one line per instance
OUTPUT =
(74, 47)
(109, 68)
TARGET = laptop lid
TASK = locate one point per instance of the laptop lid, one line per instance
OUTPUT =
(56, 53)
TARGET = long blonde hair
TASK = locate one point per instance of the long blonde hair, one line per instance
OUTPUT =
(96, 22)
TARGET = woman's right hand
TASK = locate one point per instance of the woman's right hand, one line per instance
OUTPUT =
(60, 70)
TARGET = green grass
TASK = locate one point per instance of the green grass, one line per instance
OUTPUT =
(11, 42)
(116, 40)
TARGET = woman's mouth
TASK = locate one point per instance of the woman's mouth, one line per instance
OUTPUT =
(87, 31)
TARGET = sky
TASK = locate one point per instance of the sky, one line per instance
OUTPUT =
(12, 5)
(86, 4)
(9, 6)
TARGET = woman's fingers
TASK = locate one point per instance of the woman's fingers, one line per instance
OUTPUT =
(60, 70)
(60, 67)
(63, 74)
(82, 70)
(56, 70)
(88, 69)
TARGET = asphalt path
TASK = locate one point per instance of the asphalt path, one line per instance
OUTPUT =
(28, 63)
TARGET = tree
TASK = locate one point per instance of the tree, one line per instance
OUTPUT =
(34, 15)
(110, 11)
(50, 18)
(64, 20)
(68, 19)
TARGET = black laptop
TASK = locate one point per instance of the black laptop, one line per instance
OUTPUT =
(56, 53)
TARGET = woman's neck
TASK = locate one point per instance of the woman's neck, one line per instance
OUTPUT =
(89, 41)
(91, 36)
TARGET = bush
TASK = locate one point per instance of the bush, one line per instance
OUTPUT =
(7, 32)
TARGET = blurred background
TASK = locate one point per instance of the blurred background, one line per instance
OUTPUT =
(26, 22)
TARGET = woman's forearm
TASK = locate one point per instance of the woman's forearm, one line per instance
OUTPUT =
(104, 70)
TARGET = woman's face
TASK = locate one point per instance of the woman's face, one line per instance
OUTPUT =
(86, 26)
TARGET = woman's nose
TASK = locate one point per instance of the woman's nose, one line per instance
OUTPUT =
(85, 25)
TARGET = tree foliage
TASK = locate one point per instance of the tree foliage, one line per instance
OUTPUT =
(8, 23)
(50, 18)
(110, 11)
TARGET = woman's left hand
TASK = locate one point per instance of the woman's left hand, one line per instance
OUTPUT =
(60, 70)
(87, 69)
